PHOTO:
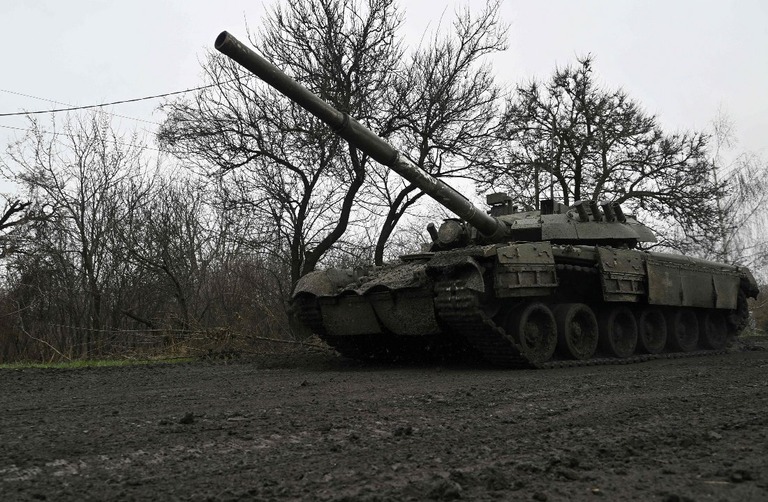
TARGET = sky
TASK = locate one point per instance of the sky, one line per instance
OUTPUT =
(682, 60)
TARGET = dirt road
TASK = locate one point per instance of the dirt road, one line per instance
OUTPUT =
(318, 427)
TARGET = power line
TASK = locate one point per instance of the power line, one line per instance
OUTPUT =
(123, 101)
(19, 129)
(34, 97)
(71, 105)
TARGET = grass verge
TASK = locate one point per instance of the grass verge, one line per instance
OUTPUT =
(95, 363)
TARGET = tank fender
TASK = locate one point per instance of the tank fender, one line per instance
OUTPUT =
(459, 267)
(689, 282)
(325, 282)
(402, 276)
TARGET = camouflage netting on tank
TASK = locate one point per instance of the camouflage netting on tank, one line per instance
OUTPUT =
(400, 276)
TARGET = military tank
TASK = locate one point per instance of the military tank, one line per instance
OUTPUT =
(561, 285)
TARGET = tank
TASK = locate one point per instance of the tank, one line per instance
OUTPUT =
(560, 285)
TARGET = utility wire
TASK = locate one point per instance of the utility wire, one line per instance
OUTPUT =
(71, 105)
(123, 101)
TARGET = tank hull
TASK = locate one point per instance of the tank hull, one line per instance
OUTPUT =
(527, 304)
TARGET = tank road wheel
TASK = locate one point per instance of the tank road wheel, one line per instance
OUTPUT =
(651, 331)
(713, 329)
(618, 332)
(682, 330)
(534, 329)
(577, 333)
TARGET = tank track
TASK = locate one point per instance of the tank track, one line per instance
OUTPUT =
(458, 309)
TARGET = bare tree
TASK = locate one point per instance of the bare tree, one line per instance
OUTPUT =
(181, 239)
(294, 174)
(576, 141)
(80, 173)
(442, 113)
(112, 251)
(14, 215)
(303, 183)
(742, 236)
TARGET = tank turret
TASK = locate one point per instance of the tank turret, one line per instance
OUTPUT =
(562, 285)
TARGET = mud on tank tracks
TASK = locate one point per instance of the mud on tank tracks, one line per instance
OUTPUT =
(314, 426)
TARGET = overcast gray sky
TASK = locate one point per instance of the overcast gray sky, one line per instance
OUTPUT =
(681, 59)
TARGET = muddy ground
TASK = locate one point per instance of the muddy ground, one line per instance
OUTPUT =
(314, 426)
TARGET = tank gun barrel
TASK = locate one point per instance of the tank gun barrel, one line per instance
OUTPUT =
(360, 136)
